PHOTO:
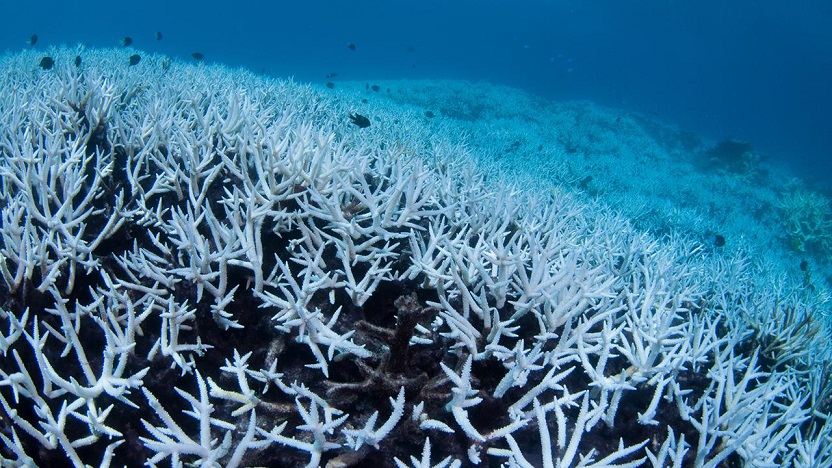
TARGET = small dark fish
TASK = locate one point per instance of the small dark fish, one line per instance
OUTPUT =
(411, 49)
(197, 55)
(804, 265)
(351, 46)
(134, 59)
(331, 75)
(46, 62)
(359, 120)
(126, 41)
(719, 240)
(330, 85)
(158, 36)
(33, 39)
(366, 86)
(364, 101)
(375, 87)
(430, 114)
(77, 60)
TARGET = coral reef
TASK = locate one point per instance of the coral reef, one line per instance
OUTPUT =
(202, 267)
(807, 219)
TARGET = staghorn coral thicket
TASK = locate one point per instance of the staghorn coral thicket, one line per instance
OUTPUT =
(203, 267)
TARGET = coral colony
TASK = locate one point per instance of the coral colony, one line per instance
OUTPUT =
(201, 267)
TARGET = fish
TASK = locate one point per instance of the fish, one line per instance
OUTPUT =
(359, 120)
(77, 60)
(158, 35)
(126, 41)
(197, 55)
(375, 87)
(33, 39)
(351, 46)
(330, 85)
(134, 59)
(331, 75)
(46, 62)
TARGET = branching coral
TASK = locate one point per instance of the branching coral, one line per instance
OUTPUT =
(200, 272)
(807, 218)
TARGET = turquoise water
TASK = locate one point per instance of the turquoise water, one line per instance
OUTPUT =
(756, 71)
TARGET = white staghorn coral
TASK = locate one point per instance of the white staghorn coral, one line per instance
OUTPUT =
(205, 267)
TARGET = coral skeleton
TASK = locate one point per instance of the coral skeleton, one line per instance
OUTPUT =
(202, 267)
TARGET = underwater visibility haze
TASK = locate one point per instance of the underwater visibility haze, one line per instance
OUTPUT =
(366, 233)
(752, 70)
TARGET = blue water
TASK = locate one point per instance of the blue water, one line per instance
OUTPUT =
(754, 70)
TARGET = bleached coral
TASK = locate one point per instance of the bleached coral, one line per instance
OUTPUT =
(807, 219)
(224, 259)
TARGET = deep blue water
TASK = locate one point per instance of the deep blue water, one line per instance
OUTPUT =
(754, 70)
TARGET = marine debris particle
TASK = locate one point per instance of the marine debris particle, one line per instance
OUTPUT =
(33, 39)
(198, 55)
(46, 62)
(134, 59)
(126, 41)
(360, 120)
(351, 46)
